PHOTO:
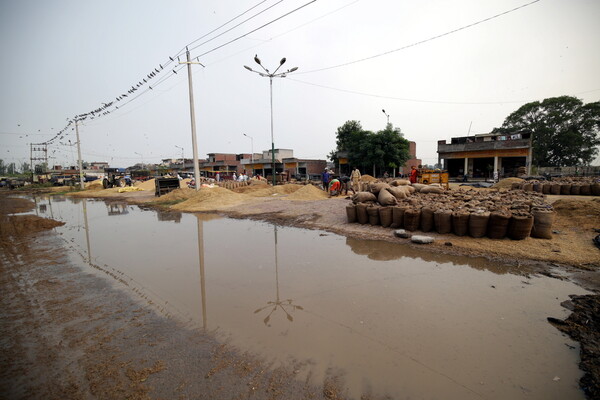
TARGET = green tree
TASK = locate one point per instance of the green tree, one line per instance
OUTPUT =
(565, 130)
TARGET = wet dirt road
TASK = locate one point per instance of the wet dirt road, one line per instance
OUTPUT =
(375, 318)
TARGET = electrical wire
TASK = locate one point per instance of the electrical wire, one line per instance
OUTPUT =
(420, 42)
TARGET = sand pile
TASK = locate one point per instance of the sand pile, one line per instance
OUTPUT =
(176, 195)
(148, 185)
(308, 192)
(286, 189)
(207, 199)
(506, 183)
(367, 178)
(94, 185)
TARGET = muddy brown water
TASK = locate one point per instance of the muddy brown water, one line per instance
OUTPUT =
(387, 319)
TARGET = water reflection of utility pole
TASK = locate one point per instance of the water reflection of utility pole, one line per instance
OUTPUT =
(202, 276)
(278, 303)
(87, 231)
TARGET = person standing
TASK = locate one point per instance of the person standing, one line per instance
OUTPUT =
(413, 174)
(355, 178)
(325, 178)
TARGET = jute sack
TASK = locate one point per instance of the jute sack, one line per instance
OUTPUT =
(565, 188)
(410, 189)
(385, 198)
(376, 187)
(373, 212)
(528, 187)
(519, 226)
(400, 182)
(546, 188)
(443, 221)
(460, 223)
(542, 223)
(398, 217)
(418, 186)
(478, 223)
(516, 185)
(361, 213)
(595, 188)
(412, 219)
(537, 187)
(426, 219)
(555, 189)
(399, 192)
(351, 213)
(575, 189)
(363, 197)
(432, 189)
(585, 189)
(385, 216)
(498, 224)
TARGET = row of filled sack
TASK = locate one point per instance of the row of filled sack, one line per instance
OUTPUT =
(573, 189)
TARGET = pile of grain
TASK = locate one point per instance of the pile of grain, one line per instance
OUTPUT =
(175, 195)
(308, 192)
(367, 178)
(94, 185)
(579, 208)
(207, 199)
(148, 185)
(506, 183)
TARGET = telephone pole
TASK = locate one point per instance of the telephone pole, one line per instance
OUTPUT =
(79, 163)
(193, 118)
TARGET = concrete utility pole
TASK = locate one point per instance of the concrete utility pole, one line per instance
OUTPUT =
(79, 163)
(193, 118)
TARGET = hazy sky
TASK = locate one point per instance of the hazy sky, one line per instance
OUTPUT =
(62, 58)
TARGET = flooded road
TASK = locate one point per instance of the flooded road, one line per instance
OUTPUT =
(387, 319)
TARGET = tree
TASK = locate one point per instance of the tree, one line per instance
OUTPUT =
(384, 149)
(565, 131)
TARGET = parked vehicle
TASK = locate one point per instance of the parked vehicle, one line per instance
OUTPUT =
(114, 177)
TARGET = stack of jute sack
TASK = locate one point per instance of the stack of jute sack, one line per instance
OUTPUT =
(429, 208)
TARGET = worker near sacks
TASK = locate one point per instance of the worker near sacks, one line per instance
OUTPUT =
(335, 187)
(345, 180)
(413, 175)
(355, 178)
(325, 176)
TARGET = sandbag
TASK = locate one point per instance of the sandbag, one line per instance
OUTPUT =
(478, 223)
(498, 224)
(399, 192)
(460, 223)
(351, 213)
(432, 189)
(595, 188)
(555, 189)
(412, 219)
(519, 226)
(376, 187)
(361, 213)
(385, 216)
(565, 188)
(373, 212)
(398, 217)
(546, 188)
(426, 219)
(418, 186)
(542, 223)
(443, 221)
(516, 185)
(585, 189)
(363, 197)
(411, 189)
(575, 189)
(385, 198)
(400, 182)
(528, 187)
(537, 187)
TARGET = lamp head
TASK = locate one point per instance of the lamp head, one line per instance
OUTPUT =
(383, 110)
(282, 61)
(248, 68)
(256, 59)
(293, 69)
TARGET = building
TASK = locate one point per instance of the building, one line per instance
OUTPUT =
(480, 155)
(286, 165)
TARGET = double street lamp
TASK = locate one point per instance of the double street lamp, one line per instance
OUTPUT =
(271, 75)
(386, 114)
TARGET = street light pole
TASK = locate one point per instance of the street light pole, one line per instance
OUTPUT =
(251, 149)
(182, 158)
(271, 75)
(142, 157)
(386, 114)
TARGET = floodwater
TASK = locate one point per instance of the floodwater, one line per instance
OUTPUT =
(387, 319)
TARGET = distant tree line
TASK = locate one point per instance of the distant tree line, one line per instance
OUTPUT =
(13, 169)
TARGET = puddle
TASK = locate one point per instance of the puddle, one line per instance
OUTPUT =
(390, 320)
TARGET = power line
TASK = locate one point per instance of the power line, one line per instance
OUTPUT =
(422, 41)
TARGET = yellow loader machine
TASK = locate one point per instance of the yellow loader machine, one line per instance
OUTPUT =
(427, 176)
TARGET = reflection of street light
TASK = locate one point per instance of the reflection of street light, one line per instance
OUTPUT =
(278, 303)
(142, 157)
(251, 149)
(386, 114)
(272, 75)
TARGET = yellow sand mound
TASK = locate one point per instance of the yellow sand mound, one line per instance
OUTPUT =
(148, 185)
(506, 183)
(177, 194)
(207, 199)
(308, 192)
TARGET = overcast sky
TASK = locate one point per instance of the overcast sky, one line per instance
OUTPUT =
(62, 58)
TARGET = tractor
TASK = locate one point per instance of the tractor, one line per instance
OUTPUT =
(114, 177)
